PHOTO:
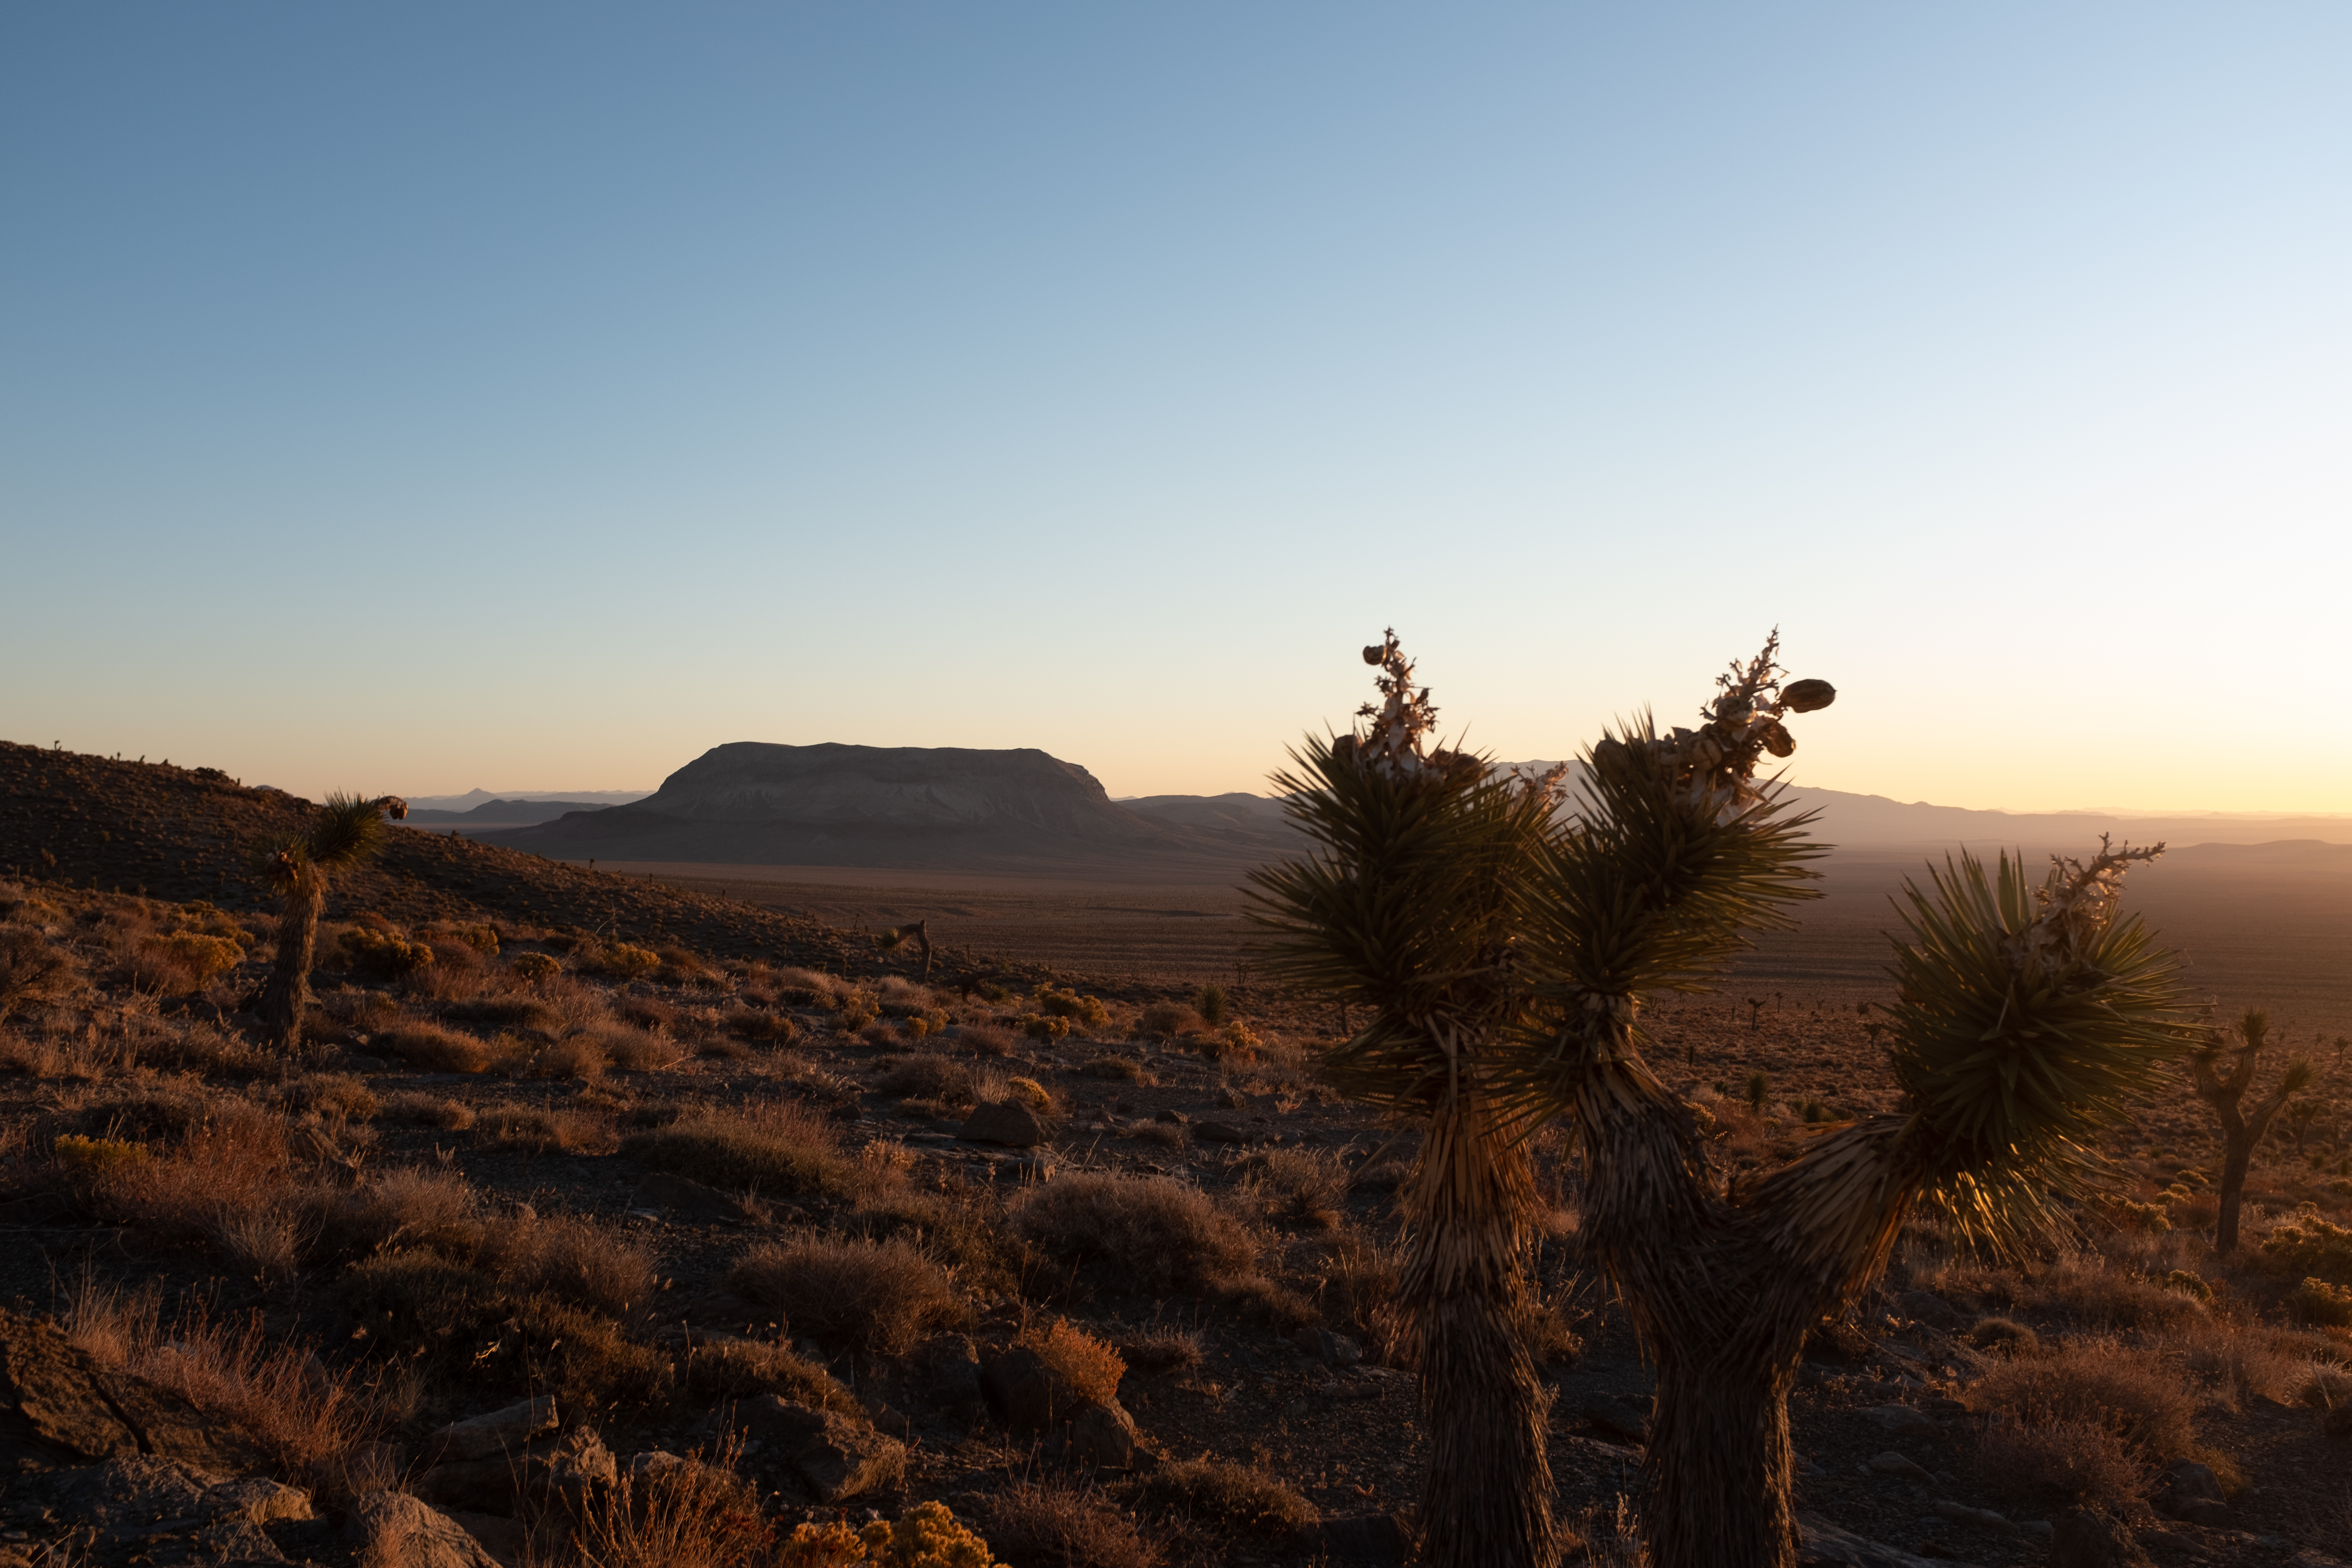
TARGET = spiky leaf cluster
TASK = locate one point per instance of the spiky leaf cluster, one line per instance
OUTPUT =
(2027, 1016)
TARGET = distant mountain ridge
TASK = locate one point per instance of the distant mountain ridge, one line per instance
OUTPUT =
(502, 812)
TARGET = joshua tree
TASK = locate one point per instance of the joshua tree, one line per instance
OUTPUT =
(347, 831)
(1506, 952)
(2225, 1089)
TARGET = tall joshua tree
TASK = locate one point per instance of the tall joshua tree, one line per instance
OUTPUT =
(2025, 1016)
(2225, 1089)
(347, 831)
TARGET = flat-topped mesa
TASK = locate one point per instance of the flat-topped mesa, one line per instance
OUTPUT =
(939, 807)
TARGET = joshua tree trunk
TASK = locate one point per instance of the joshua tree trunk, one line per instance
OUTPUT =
(286, 995)
(1486, 1499)
(1723, 1292)
(2241, 1130)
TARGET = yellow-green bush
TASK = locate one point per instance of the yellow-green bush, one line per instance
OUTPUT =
(97, 1156)
(1043, 1026)
(619, 961)
(1061, 1002)
(200, 957)
(2311, 1245)
(536, 966)
(925, 1536)
(2317, 1301)
(383, 953)
(2190, 1284)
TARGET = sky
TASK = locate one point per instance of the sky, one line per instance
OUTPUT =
(435, 397)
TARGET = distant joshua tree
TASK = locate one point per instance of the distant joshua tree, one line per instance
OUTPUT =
(2225, 1089)
(347, 831)
(1503, 951)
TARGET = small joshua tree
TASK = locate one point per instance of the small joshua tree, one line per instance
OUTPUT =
(1505, 955)
(347, 831)
(2225, 1089)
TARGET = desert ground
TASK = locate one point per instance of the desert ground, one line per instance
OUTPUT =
(637, 1215)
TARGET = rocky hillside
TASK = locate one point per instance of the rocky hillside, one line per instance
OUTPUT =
(937, 808)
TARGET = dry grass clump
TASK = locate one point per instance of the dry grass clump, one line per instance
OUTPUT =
(334, 1096)
(877, 1296)
(743, 1369)
(1123, 1070)
(1235, 1499)
(429, 1047)
(2308, 1244)
(395, 1208)
(1162, 1347)
(928, 1077)
(233, 1159)
(2065, 1459)
(416, 1108)
(575, 1058)
(2005, 1335)
(34, 971)
(762, 1025)
(2316, 1301)
(637, 1050)
(2076, 1418)
(1295, 1185)
(1146, 1233)
(983, 1040)
(778, 1147)
(316, 1423)
(697, 1513)
(575, 1260)
(541, 1131)
(2242, 1363)
(1086, 1365)
(2090, 1291)
(1068, 1525)
(1165, 1021)
(960, 1226)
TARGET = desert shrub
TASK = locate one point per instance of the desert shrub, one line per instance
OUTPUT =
(333, 1096)
(399, 1208)
(983, 1040)
(883, 1033)
(429, 1047)
(927, 1078)
(637, 1050)
(876, 1295)
(1084, 1364)
(1061, 1002)
(2190, 1284)
(34, 971)
(854, 1008)
(1162, 1347)
(2310, 1244)
(414, 1108)
(1065, 1524)
(534, 967)
(1043, 1026)
(779, 1147)
(1169, 1135)
(1165, 1020)
(620, 961)
(543, 1130)
(1237, 1498)
(960, 1230)
(762, 1027)
(926, 1536)
(232, 1158)
(646, 1012)
(571, 1259)
(743, 1369)
(2095, 1383)
(679, 967)
(1213, 1004)
(2090, 1290)
(1294, 1184)
(421, 1309)
(2317, 1301)
(1121, 1069)
(1237, 1042)
(386, 954)
(97, 1157)
(1146, 1233)
(2128, 1214)
(481, 937)
(2069, 1459)
(576, 1058)
(1029, 1092)
(513, 1012)
(186, 961)
(1256, 1298)
(2005, 1334)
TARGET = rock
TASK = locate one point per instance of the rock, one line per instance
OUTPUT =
(473, 1486)
(1902, 1418)
(951, 1369)
(1330, 1349)
(1618, 1417)
(643, 1467)
(392, 1529)
(1175, 1117)
(1363, 1540)
(1104, 1435)
(261, 1501)
(1890, 1463)
(2190, 1492)
(1006, 1121)
(498, 1432)
(683, 1196)
(507, 1540)
(2091, 1538)
(1023, 1392)
(837, 1456)
(1217, 1132)
(1923, 1306)
(575, 1476)
(1983, 1518)
(2338, 1422)
(57, 1404)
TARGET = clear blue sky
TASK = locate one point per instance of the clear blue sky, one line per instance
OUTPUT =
(424, 397)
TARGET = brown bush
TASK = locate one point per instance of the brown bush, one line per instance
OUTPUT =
(34, 971)
(1145, 1233)
(2095, 1383)
(637, 1050)
(1295, 1185)
(928, 1077)
(1068, 1525)
(1090, 1368)
(779, 1147)
(429, 1048)
(2069, 1459)
(1166, 1020)
(571, 1259)
(335, 1097)
(576, 1058)
(696, 1514)
(984, 1040)
(1120, 1068)
(2005, 1334)
(1162, 1347)
(414, 1108)
(396, 1208)
(877, 1296)
(763, 1025)
(184, 961)
(544, 1131)
(743, 1369)
(1235, 1499)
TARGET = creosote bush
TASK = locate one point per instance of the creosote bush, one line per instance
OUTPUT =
(740, 1369)
(1089, 1367)
(878, 1297)
(1235, 1499)
(778, 1147)
(1148, 1234)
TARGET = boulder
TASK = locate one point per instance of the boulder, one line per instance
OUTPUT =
(1924, 1307)
(392, 1529)
(837, 1456)
(507, 1540)
(1330, 1349)
(1820, 1544)
(1023, 1392)
(2190, 1492)
(1900, 1419)
(1982, 1518)
(685, 1196)
(473, 1486)
(951, 1369)
(1363, 1540)
(1104, 1435)
(1904, 1466)
(1217, 1132)
(58, 1404)
(497, 1432)
(1004, 1121)
(1617, 1416)
(2092, 1538)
